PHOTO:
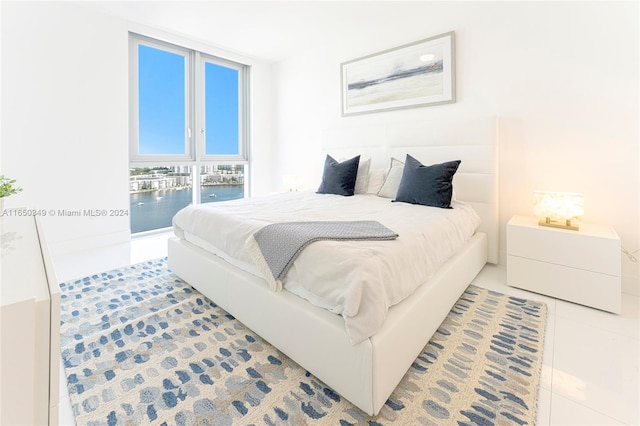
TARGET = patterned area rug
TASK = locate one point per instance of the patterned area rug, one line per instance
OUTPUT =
(140, 346)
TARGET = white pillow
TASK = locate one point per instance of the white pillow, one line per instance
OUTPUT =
(376, 179)
(392, 182)
(362, 178)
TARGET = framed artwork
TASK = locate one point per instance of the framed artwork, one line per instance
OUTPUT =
(414, 75)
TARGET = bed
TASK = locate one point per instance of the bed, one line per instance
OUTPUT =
(364, 368)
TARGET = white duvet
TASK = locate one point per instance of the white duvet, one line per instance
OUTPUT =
(359, 280)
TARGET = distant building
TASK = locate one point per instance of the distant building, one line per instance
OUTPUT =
(180, 176)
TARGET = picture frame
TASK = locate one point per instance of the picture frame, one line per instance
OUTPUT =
(412, 75)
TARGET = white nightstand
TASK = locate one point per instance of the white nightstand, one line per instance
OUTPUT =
(579, 266)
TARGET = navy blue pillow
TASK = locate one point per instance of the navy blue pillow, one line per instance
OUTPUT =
(339, 178)
(427, 185)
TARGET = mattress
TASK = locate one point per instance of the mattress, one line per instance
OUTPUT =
(358, 280)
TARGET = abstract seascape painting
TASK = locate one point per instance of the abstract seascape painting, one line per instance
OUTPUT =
(412, 75)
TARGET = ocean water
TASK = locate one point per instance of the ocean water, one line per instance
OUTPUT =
(155, 209)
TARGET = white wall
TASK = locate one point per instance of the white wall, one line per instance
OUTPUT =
(561, 76)
(65, 118)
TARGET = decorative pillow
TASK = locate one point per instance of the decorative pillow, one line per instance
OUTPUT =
(392, 181)
(339, 178)
(376, 179)
(427, 185)
(362, 179)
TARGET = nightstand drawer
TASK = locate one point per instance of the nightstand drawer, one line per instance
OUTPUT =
(594, 289)
(593, 248)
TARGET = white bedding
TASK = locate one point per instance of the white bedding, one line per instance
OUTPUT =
(359, 280)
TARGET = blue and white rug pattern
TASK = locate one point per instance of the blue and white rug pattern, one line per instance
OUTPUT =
(140, 346)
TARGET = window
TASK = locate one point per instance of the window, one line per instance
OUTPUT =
(156, 194)
(162, 100)
(188, 124)
(222, 116)
(221, 182)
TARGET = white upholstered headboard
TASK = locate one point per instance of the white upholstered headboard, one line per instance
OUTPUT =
(474, 142)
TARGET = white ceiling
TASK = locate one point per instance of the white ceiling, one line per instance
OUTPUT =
(268, 30)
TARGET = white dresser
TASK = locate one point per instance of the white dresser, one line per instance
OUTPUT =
(30, 327)
(579, 266)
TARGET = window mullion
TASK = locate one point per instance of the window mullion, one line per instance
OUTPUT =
(194, 122)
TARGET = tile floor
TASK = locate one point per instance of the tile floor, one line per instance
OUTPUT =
(590, 374)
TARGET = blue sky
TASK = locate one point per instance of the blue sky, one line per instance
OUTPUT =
(161, 103)
(221, 91)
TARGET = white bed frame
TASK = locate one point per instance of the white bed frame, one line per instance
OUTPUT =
(366, 373)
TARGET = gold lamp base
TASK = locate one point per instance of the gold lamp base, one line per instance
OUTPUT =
(562, 224)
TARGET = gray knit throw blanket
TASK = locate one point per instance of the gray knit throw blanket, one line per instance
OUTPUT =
(275, 247)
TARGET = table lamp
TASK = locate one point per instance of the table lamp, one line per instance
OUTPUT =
(558, 209)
